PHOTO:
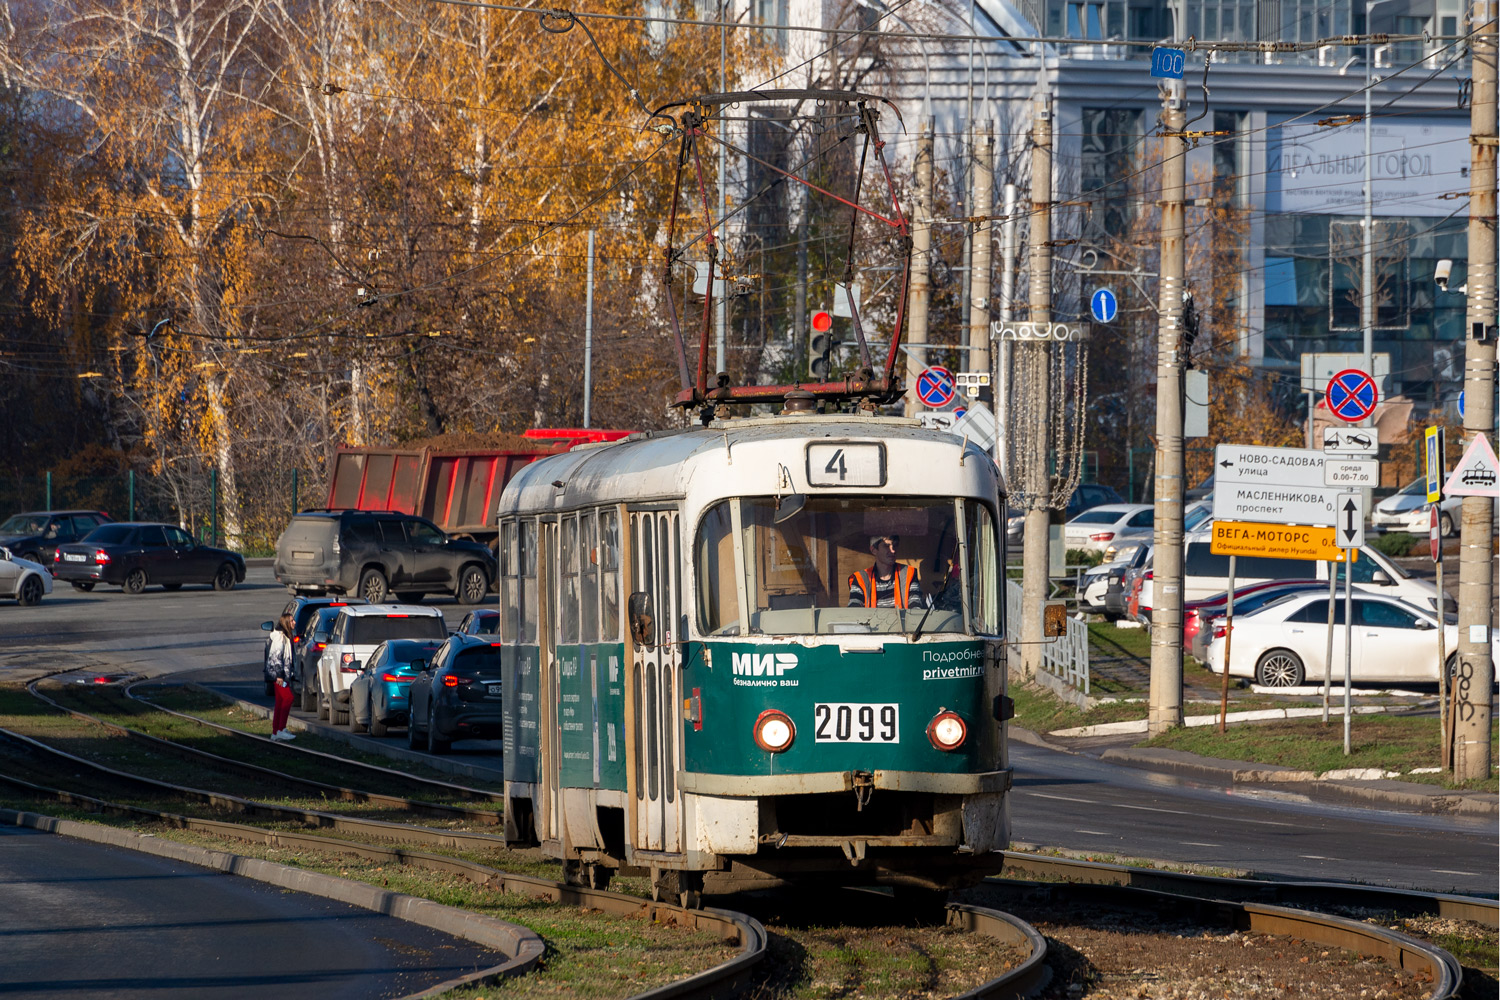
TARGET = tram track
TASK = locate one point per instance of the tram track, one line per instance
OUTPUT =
(1254, 906)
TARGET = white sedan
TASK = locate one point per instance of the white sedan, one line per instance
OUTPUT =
(1098, 528)
(1284, 643)
(23, 580)
(1409, 510)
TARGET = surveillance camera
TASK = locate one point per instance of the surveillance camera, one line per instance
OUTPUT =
(1441, 273)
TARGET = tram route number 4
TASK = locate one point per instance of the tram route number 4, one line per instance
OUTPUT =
(856, 723)
(845, 463)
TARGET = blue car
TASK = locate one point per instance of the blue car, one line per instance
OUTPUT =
(380, 697)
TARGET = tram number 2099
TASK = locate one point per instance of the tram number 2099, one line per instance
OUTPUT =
(856, 723)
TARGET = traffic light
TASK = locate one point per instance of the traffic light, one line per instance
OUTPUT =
(821, 345)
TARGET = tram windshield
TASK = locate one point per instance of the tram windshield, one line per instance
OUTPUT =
(831, 565)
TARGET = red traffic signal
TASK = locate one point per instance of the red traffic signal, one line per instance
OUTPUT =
(822, 321)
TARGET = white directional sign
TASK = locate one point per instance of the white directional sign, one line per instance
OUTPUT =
(1477, 473)
(1349, 529)
(1347, 472)
(1272, 486)
(1351, 441)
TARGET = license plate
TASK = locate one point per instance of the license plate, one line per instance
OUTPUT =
(856, 723)
(304, 555)
(493, 688)
(72, 557)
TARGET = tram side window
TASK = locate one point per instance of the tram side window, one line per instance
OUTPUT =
(526, 593)
(718, 598)
(984, 599)
(567, 572)
(589, 556)
(609, 574)
(510, 611)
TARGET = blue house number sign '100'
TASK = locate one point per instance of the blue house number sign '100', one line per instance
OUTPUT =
(1168, 63)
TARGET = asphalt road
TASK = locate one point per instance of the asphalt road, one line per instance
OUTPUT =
(89, 920)
(1062, 800)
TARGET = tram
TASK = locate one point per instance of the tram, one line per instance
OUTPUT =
(765, 650)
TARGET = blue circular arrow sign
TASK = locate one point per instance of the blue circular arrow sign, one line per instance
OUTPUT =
(1104, 305)
(936, 386)
(1351, 395)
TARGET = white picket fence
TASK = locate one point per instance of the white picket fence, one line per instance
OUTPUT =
(1065, 657)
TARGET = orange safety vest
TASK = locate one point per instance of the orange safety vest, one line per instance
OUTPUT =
(865, 579)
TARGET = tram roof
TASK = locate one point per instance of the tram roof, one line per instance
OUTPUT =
(667, 465)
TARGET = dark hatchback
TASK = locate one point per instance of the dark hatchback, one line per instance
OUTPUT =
(37, 534)
(134, 555)
(458, 696)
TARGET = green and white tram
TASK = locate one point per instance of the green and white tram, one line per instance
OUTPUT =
(766, 650)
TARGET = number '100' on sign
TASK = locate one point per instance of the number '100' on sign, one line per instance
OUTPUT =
(856, 723)
(846, 463)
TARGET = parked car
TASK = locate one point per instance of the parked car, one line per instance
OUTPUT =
(377, 554)
(1408, 510)
(304, 612)
(37, 534)
(1198, 616)
(380, 696)
(135, 554)
(355, 634)
(24, 580)
(458, 696)
(1284, 643)
(1202, 491)
(309, 653)
(1085, 497)
(1122, 582)
(481, 621)
(1097, 528)
(1095, 583)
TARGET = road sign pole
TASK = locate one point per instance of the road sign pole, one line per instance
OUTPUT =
(1476, 585)
(1333, 583)
(1348, 652)
(1035, 357)
(1165, 705)
(1228, 638)
(1447, 752)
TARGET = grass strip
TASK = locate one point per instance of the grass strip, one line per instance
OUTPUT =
(589, 953)
(1387, 742)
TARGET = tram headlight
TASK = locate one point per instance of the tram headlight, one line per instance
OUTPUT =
(774, 731)
(947, 731)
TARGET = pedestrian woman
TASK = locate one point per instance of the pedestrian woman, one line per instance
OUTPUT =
(280, 661)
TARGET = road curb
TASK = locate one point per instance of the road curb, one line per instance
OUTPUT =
(524, 946)
(1406, 796)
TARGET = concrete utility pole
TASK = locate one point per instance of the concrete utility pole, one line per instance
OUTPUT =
(1003, 347)
(979, 286)
(1165, 708)
(588, 338)
(921, 271)
(1476, 559)
(1035, 356)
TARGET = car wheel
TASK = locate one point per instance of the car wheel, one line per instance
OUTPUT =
(224, 579)
(83, 585)
(30, 592)
(1445, 525)
(377, 728)
(340, 717)
(412, 739)
(1280, 668)
(323, 706)
(372, 586)
(309, 699)
(171, 586)
(135, 581)
(410, 596)
(434, 743)
(35, 557)
(472, 585)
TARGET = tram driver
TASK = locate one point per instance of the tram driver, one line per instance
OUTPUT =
(889, 584)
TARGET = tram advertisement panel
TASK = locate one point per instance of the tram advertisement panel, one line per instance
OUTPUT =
(518, 672)
(853, 710)
(591, 689)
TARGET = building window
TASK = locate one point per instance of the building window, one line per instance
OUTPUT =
(1110, 149)
(772, 14)
(1392, 284)
(1231, 157)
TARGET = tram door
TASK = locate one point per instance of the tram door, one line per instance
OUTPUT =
(657, 557)
(549, 735)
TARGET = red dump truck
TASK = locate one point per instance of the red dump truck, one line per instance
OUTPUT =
(454, 487)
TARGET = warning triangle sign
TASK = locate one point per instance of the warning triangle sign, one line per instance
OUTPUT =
(1477, 473)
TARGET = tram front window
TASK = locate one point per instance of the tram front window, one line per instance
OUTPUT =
(837, 565)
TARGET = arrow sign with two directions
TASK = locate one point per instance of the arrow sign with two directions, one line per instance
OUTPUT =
(1351, 508)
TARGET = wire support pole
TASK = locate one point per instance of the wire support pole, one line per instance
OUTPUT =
(1165, 704)
(979, 286)
(1475, 672)
(919, 293)
(588, 337)
(1035, 358)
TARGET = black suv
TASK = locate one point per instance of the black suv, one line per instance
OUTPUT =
(377, 553)
(37, 535)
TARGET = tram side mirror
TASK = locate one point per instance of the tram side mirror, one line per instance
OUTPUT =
(642, 619)
(1054, 619)
(789, 507)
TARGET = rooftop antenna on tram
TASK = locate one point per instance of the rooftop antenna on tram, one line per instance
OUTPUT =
(699, 121)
